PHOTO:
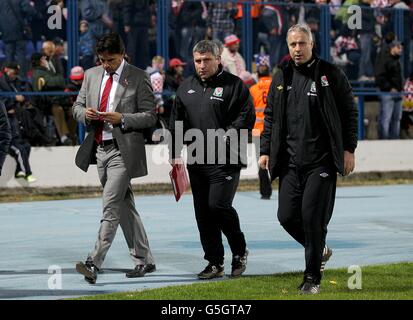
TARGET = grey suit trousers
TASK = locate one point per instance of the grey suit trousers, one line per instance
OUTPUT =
(118, 208)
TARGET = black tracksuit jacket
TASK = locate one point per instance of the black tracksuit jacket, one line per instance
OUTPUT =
(338, 110)
(221, 102)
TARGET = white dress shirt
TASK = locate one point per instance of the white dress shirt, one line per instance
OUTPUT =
(107, 128)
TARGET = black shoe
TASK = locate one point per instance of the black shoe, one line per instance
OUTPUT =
(239, 264)
(211, 271)
(309, 286)
(89, 270)
(327, 253)
(141, 270)
(265, 197)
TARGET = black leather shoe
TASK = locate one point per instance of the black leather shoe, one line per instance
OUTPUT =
(141, 270)
(89, 270)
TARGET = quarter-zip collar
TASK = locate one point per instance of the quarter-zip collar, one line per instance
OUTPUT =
(211, 80)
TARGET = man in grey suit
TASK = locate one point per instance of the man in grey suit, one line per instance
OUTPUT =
(115, 103)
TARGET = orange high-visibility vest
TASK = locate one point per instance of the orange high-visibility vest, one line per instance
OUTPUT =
(259, 93)
(255, 10)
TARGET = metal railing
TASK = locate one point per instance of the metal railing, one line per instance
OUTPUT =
(359, 93)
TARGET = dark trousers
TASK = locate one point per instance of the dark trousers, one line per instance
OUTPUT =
(306, 202)
(213, 190)
(16, 51)
(138, 47)
(20, 151)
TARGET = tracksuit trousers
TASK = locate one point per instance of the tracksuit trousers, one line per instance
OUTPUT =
(306, 202)
(213, 190)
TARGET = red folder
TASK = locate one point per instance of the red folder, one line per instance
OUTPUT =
(179, 180)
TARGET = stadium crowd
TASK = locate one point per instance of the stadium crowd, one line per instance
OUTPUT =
(34, 57)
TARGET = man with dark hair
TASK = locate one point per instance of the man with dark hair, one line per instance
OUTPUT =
(115, 103)
(5, 135)
(214, 101)
(310, 134)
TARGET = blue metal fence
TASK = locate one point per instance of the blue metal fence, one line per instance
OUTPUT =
(163, 11)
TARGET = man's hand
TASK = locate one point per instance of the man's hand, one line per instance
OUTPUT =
(20, 98)
(111, 117)
(126, 29)
(263, 162)
(349, 162)
(91, 114)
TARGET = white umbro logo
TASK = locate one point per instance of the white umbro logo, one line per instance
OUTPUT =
(229, 178)
(191, 91)
(324, 174)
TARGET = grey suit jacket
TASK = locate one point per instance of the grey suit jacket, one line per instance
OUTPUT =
(135, 100)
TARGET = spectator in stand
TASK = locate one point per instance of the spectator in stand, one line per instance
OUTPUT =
(38, 24)
(48, 50)
(274, 25)
(259, 93)
(406, 126)
(19, 147)
(98, 15)
(137, 21)
(116, 8)
(76, 77)
(30, 118)
(366, 33)
(174, 74)
(58, 58)
(347, 52)
(390, 22)
(46, 80)
(14, 22)
(157, 75)
(87, 43)
(220, 20)
(5, 135)
(389, 79)
(173, 78)
(190, 26)
(231, 59)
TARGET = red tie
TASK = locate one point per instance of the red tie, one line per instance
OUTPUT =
(102, 107)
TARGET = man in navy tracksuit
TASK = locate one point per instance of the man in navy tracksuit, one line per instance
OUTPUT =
(214, 102)
(310, 134)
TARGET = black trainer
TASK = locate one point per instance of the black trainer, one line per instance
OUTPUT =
(327, 253)
(239, 264)
(212, 271)
(89, 270)
(141, 270)
(309, 286)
